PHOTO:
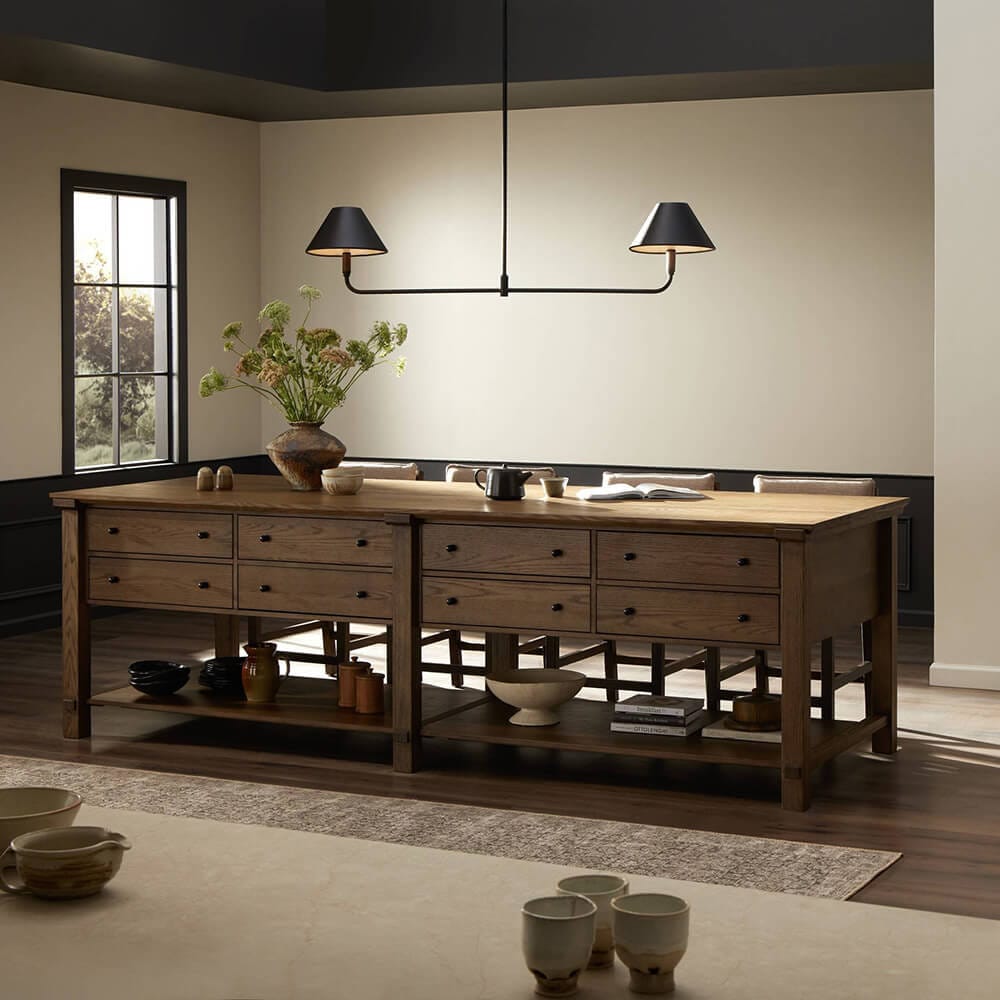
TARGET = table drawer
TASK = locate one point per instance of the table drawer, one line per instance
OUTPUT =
(484, 549)
(527, 607)
(697, 559)
(157, 581)
(315, 540)
(329, 593)
(161, 533)
(688, 614)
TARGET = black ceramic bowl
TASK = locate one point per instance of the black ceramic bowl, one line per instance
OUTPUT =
(146, 668)
(224, 666)
(162, 682)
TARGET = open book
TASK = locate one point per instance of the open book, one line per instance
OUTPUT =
(644, 491)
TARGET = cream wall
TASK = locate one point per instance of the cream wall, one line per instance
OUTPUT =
(804, 343)
(967, 418)
(44, 130)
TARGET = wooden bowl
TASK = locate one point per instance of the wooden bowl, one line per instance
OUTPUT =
(756, 712)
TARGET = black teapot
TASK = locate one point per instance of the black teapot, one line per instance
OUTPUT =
(503, 483)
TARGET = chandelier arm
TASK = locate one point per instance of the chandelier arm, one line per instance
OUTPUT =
(345, 266)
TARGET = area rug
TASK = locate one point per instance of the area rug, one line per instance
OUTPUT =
(629, 848)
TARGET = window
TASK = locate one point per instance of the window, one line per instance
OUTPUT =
(123, 270)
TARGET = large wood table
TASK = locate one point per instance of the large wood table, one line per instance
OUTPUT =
(768, 572)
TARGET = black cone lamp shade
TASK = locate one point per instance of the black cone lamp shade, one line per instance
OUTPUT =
(346, 229)
(672, 226)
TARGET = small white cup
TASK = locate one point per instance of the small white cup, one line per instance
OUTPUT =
(651, 936)
(600, 890)
(554, 486)
(342, 482)
(557, 937)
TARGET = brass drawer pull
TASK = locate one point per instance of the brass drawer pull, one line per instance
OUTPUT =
(629, 612)
(202, 534)
(263, 538)
(361, 542)
(112, 579)
(264, 588)
(203, 584)
(112, 531)
(556, 553)
(361, 594)
(557, 607)
(742, 618)
(451, 547)
(451, 601)
(742, 561)
(629, 556)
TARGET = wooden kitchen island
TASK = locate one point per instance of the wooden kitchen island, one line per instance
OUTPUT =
(766, 572)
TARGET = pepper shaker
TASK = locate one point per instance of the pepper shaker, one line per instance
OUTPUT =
(224, 478)
(206, 480)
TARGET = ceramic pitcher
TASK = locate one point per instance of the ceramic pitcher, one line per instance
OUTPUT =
(261, 675)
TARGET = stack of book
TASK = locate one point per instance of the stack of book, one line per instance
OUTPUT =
(659, 715)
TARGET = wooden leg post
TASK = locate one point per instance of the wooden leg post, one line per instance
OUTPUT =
(455, 658)
(227, 635)
(501, 651)
(883, 632)
(713, 683)
(827, 667)
(406, 646)
(796, 678)
(75, 628)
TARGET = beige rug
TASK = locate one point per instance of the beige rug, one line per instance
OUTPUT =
(632, 848)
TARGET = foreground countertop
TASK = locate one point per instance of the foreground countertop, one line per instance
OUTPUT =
(204, 910)
(748, 513)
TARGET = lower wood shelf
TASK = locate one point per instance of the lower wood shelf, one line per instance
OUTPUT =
(302, 701)
(585, 725)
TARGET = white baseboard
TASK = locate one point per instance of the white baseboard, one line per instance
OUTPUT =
(965, 675)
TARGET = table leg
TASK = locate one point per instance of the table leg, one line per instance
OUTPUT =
(75, 628)
(796, 676)
(227, 635)
(407, 711)
(501, 651)
(883, 631)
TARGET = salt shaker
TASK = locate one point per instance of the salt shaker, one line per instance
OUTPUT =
(224, 478)
(206, 480)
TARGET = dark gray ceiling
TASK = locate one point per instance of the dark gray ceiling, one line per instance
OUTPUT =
(268, 60)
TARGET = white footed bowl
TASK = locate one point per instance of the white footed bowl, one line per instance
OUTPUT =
(535, 692)
(25, 809)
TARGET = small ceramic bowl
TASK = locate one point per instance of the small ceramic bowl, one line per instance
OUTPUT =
(62, 864)
(535, 692)
(342, 482)
(158, 677)
(25, 809)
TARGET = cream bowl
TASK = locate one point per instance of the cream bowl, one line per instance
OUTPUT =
(23, 810)
(342, 482)
(535, 692)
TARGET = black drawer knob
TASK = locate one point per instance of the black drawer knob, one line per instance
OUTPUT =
(557, 607)
(742, 561)
(203, 534)
(361, 542)
(112, 579)
(629, 556)
(630, 612)
(112, 531)
(203, 584)
(742, 618)
(263, 538)
(451, 547)
(450, 601)
(361, 594)
(264, 588)
(556, 553)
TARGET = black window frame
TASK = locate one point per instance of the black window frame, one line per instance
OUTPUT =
(72, 181)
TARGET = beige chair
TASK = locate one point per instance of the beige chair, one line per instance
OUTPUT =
(707, 659)
(456, 473)
(830, 680)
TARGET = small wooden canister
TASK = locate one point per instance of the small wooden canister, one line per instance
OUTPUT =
(347, 675)
(370, 694)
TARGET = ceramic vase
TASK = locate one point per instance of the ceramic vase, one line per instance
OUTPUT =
(261, 676)
(302, 453)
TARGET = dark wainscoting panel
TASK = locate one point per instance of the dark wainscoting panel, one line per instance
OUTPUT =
(916, 528)
(30, 543)
(30, 547)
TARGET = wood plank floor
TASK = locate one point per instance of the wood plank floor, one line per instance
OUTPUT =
(938, 801)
